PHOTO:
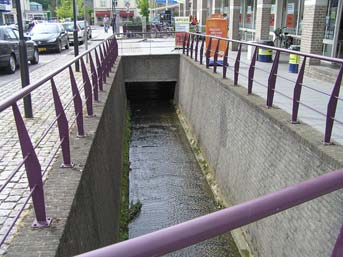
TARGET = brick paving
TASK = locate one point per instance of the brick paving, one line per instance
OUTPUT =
(13, 196)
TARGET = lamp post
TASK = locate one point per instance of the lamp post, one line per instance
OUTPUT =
(76, 41)
(114, 16)
(24, 69)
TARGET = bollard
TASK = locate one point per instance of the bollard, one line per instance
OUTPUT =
(294, 60)
(265, 55)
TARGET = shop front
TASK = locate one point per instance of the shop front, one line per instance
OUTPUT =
(247, 18)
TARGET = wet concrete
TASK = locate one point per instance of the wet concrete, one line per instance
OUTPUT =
(165, 176)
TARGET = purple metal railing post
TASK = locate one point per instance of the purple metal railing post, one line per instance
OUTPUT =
(184, 44)
(215, 58)
(252, 71)
(77, 104)
(63, 128)
(102, 64)
(237, 63)
(94, 79)
(188, 42)
(332, 105)
(98, 65)
(208, 53)
(202, 49)
(196, 48)
(225, 63)
(338, 249)
(272, 80)
(297, 92)
(105, 61)
(192, 44)
(33, 171)
(88, 89)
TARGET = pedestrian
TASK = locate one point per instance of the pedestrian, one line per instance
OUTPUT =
(106, 23)
(114, 23)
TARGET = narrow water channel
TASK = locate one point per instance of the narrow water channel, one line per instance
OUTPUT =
(165, 176)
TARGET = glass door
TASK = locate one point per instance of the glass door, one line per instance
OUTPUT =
(331, 41)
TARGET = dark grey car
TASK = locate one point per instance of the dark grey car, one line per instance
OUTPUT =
(9, 49)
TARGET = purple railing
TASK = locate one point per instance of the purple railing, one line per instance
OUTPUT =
(212, 50)
(109, 52)
(194, 231)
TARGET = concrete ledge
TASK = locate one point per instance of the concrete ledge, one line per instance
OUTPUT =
(253, 151)
(83, 201)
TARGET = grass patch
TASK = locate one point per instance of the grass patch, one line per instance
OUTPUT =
(135, 209)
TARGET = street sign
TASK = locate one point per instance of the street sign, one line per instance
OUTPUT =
(5, 5)
(181, 27)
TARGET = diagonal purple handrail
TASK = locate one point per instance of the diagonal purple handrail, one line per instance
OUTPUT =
(30, 160)
(191, 232)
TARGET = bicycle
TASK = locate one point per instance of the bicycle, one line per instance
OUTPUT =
(282, 39)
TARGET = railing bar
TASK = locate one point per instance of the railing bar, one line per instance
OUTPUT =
(53, 156)
(14, 172)
(47, 131)
(260, 69)
(17, 216)
(73, 121)
(316, 90)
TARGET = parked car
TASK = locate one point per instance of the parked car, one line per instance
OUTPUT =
(69, 27)
(9, 49)
(50, 36)
(88, 28)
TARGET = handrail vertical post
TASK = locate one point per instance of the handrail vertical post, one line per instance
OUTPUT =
(272, 79)
(94, 79)
(102, 65)
(332, 105)
(63, 128)
(33, 171)
(215, 58)
(98, 65)
(338, 249)
(297, 92)
(252, 71)
(188, 42)
(196, 48)
(184, 44)
(77, 104)
(202, 49)
(88, 89)
(192, 45)
(225, 62)
(237, 64)
(208, 53)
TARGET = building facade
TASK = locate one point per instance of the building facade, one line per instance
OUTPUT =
(124, 10)
(315, 25)
(8, 13)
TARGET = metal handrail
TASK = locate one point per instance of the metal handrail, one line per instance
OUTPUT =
(202, 228)
(30, 159)
(212, 49)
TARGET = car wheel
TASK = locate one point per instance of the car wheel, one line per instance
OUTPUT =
(67, 45)
(59, 47)
(12, 64)
(35, 59)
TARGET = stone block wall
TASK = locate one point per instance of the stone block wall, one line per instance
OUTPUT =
(254, 151)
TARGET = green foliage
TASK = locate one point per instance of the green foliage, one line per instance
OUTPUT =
(135, 209)
(66, 9)
(143, 6)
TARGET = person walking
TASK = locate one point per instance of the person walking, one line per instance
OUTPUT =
(106, 23)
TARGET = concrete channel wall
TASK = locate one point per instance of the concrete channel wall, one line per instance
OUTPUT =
(254, 151)
(83, 201)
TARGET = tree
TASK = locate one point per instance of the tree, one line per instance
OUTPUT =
(143, 6)
(66, 9)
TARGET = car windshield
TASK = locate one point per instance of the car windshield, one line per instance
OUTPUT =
(45, 29)
(81, 24)
(68, 27)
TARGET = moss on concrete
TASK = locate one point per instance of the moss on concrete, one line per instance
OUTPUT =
(124, 190)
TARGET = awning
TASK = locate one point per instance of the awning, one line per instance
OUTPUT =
(102, 13)
(126, 14)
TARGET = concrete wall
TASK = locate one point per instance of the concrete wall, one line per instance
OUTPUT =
(83, 201)
(254, 151)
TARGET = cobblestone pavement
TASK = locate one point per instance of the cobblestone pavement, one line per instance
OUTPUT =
(13, 196)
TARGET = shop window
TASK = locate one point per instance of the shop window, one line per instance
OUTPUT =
(247, 14)
(102, 3)
(294, 16)
(272, 15)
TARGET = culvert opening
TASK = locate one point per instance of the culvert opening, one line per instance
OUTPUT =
(144, 91)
